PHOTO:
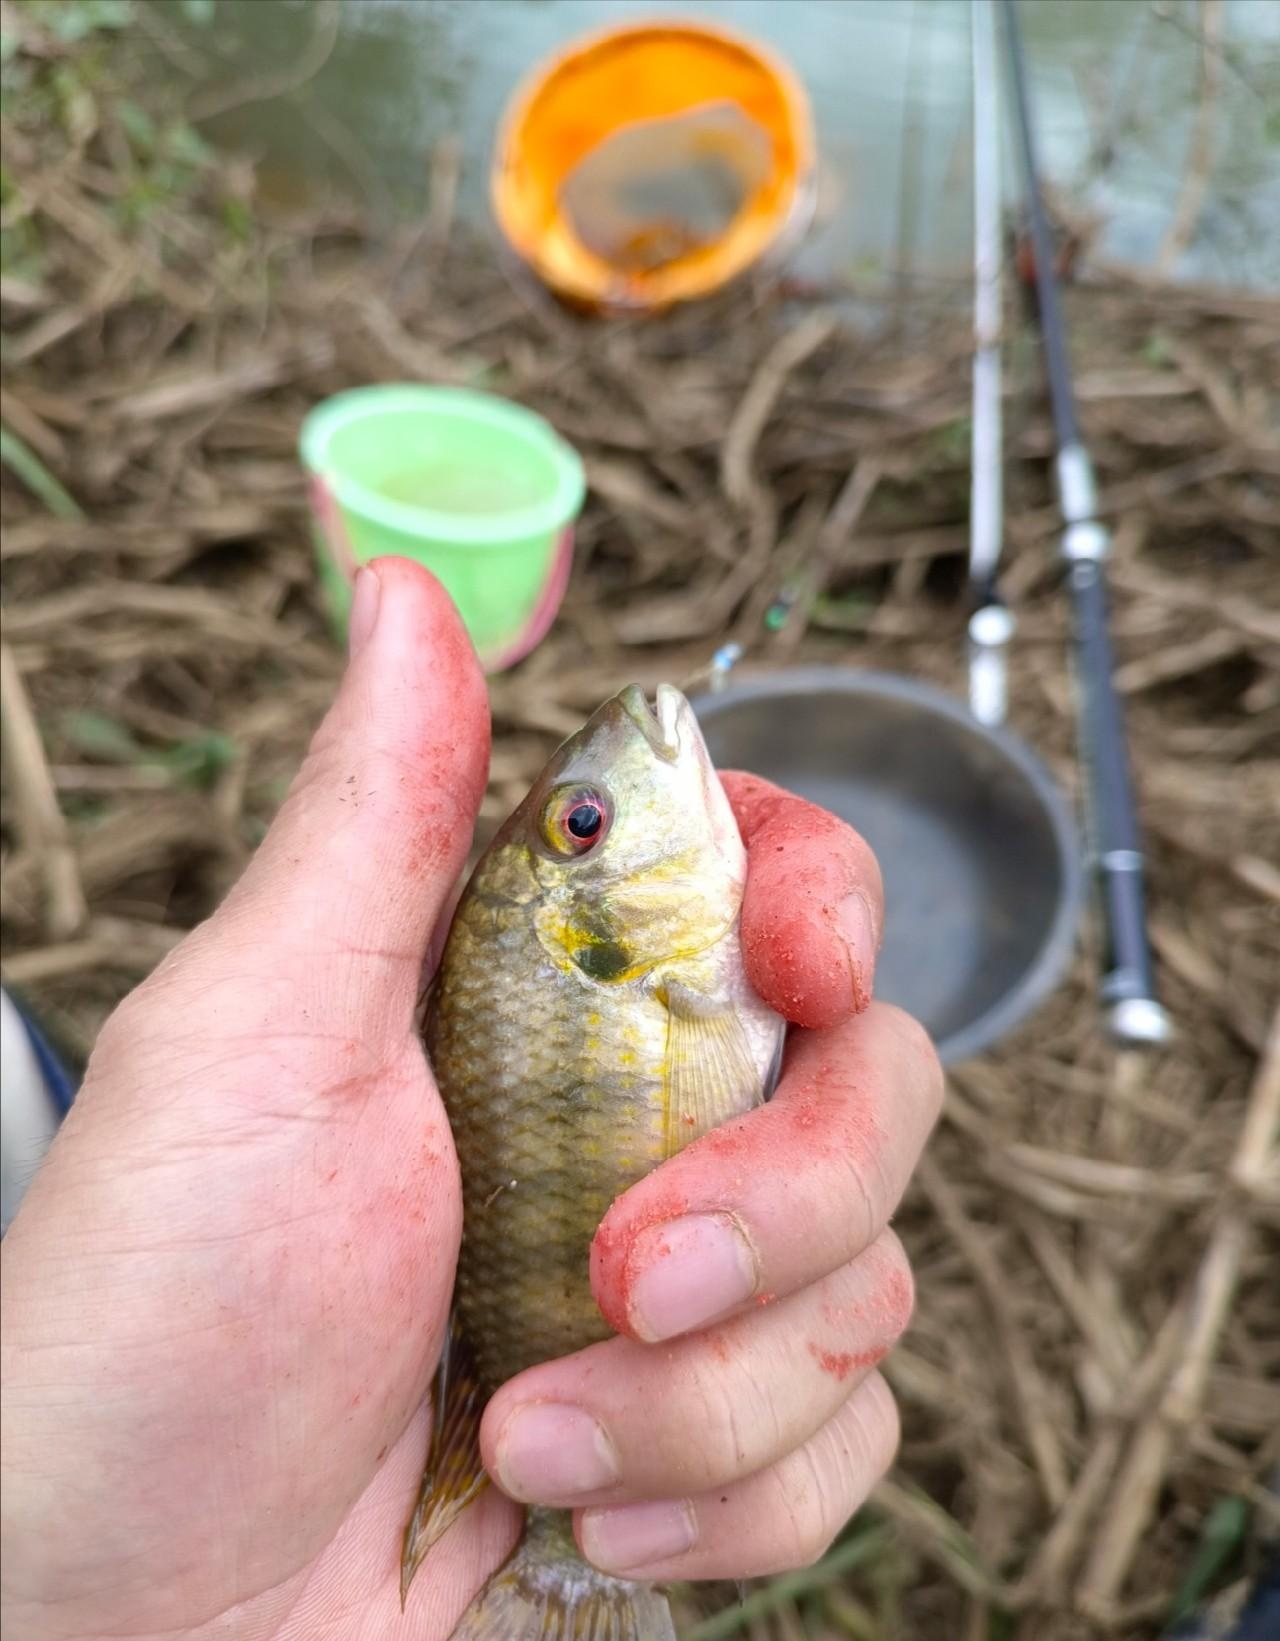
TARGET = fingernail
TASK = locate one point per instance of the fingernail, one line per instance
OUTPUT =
(691, 1271)
(854, 920)
(548, 1452)
(639, 1535)
(364, 610)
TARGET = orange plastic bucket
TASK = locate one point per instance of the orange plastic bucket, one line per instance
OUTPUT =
(652, 163)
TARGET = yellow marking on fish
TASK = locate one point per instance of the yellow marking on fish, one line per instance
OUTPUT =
(565, 943)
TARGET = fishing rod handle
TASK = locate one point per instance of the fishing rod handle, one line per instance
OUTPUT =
(1134, 1014)
(990, 633)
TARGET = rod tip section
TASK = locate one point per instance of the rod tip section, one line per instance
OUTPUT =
(1140, 1022)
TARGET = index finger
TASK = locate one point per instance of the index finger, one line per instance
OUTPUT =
(813, 908)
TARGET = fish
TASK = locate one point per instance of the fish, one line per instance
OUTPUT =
(590, 1017)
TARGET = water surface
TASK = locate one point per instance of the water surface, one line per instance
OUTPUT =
(1116, 84)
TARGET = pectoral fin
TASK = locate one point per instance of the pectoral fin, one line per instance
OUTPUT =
(711, 1073)
(454, 1475)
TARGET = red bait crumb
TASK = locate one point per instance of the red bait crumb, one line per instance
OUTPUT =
(614, 1254)
(841, 1363)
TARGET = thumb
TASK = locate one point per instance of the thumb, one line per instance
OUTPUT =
(370, 840)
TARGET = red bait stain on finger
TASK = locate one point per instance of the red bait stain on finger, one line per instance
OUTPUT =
(615, 1262)
(829, 1124)
(839, 1314)
(805, 1123)
(841, 1363)
(891, 1295)
(896, 1300)
(729, 1140)
(805, 859)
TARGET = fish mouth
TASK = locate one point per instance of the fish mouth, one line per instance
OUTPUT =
(659, 723)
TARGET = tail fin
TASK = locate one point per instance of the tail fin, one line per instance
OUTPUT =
(454, 1475)
(546, 1592)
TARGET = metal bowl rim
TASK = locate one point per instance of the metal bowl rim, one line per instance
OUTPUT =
(1054, 953)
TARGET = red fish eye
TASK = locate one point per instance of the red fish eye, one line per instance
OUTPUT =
(583, 822)
(574, 819)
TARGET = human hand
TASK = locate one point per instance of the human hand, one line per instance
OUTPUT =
(226, 1290)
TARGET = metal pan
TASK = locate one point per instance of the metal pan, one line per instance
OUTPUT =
(979, 852)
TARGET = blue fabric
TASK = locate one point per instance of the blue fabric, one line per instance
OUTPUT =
(1257, 1620)
(1260, 1620)
(58, 1080)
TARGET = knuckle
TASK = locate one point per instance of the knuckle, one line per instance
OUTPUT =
(128, 1028)
(718, 1441)
(855, 1209)
(114, 1035)
(802, 1541)
(809, 1517)
(866, 1307)
(919, 1053)
(880, 1426)
(895, 1285)
(812, 1542)
(915, 1041)
(146, 1020)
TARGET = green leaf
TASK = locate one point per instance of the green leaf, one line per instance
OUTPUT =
(862, 1545)
(1221, 1536)
(951, 441)
(73, 20)
(200, 761)
(1001, 1625)
(237, 217)
(199, 12)
(98, 736)
(27, 466)
(85, 807)
(197, 762)
(1156, 351)
(71, 24)
(187, 145)
(139, 127)
(848, 612)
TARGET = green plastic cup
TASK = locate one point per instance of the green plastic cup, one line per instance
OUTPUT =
(481, 491)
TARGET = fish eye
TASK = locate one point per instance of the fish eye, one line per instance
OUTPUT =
(584, 820)
(574, 819)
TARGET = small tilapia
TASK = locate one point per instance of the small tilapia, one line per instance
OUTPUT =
(591, 1016)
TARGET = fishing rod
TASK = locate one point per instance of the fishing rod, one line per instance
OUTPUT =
(991, 622)
(1134, 1014)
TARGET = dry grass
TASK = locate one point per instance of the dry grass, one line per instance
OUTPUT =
(1096, 1356)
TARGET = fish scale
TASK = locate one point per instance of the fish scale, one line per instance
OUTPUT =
(590, 1017)
(551, 1168)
